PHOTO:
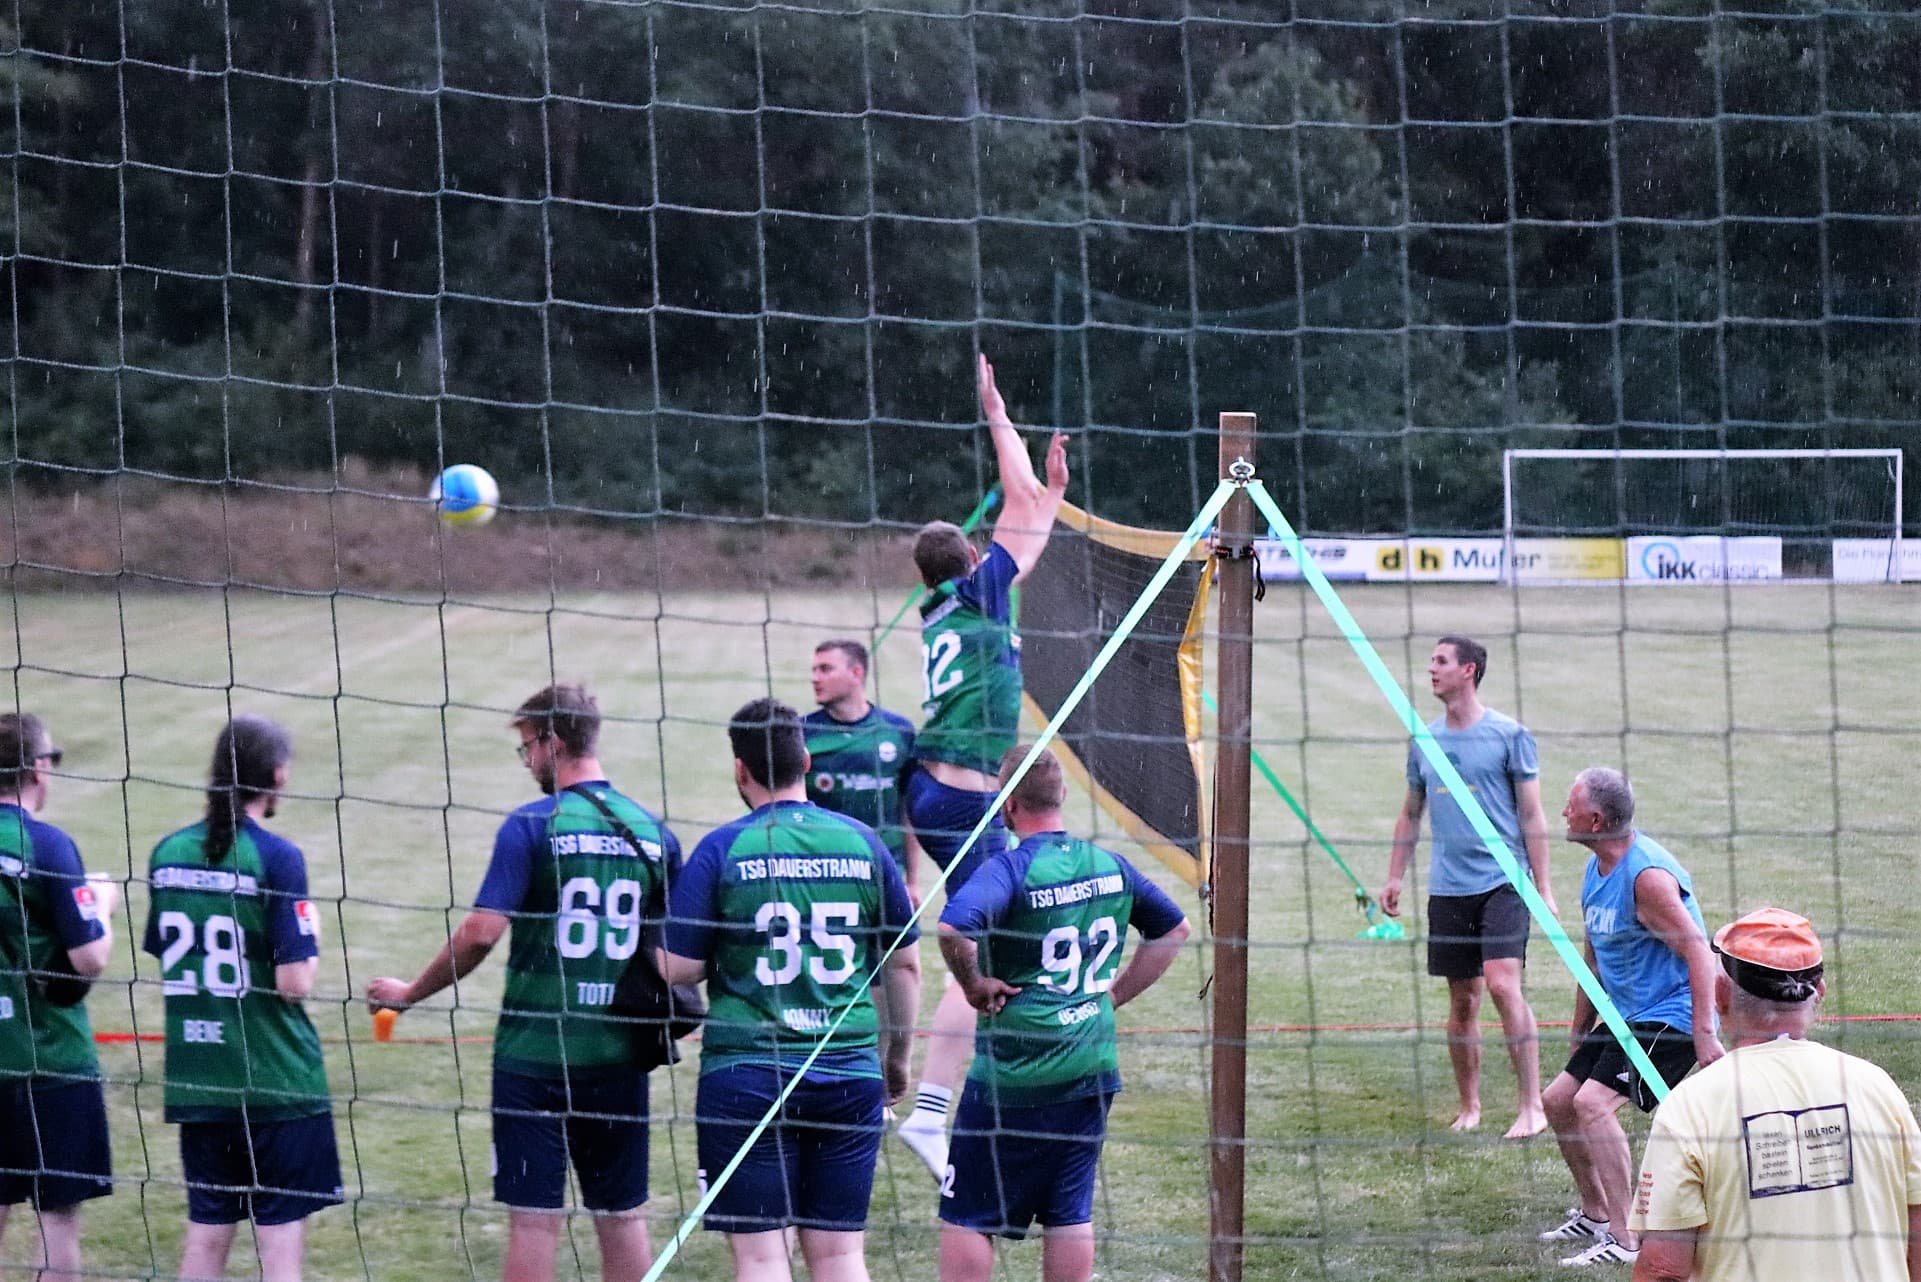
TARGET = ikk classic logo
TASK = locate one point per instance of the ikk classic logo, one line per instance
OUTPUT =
(1703, 558)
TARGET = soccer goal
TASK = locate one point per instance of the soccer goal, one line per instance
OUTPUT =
(1709, 515)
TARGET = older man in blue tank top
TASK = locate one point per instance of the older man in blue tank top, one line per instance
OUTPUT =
(1647, 944)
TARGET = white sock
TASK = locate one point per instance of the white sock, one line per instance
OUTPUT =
(930, 1103)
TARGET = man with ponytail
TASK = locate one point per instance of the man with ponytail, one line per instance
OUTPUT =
(239, 943)
(56, 934)
(580, 878)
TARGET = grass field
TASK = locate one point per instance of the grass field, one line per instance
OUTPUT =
(1772, 734)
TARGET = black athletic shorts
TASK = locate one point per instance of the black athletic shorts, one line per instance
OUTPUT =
(1465, 930)
(1600, 1058)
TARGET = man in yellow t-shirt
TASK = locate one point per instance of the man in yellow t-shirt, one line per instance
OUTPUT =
(1786, 1159)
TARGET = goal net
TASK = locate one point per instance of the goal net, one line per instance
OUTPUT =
(1712, 515)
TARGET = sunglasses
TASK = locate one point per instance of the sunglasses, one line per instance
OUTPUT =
(52, 757)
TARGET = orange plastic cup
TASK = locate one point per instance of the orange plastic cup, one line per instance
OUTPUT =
(384, 1025)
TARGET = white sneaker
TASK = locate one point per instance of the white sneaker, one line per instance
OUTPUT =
(927, 1136)
(1607, 1250)
(1578, 1226)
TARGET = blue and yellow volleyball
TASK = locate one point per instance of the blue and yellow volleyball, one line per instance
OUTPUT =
(465, 495)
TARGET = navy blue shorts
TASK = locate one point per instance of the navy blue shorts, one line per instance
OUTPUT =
(1008, 1167)
(53, 1142)
(596, 1118)
(942, 817)
(812, 1167)
(267, 1172)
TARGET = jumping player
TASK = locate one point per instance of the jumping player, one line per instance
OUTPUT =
(784, 913)
(239, 943)
(580, 899)
(859, 753)
(972, 670)
(1036, 940)
(56, 933)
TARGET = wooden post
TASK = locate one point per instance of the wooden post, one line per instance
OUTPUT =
(1227, 1148)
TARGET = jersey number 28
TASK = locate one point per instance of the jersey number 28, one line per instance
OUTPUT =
(223, 964)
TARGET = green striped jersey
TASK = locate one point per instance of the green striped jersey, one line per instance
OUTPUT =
(856, 769)
(971, 666)
(219, 930)
(792, 908)
(46, 909)
(1051, 918)
(580, 899)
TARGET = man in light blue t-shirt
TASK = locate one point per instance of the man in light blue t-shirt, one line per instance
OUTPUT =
(1477, 923)
(1646, 944)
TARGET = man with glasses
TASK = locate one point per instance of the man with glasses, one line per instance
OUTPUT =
(581, 878)
(56, 934)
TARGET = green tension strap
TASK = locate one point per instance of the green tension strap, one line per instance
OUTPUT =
(1484, 828)
(1127, 625)
(1384, 928)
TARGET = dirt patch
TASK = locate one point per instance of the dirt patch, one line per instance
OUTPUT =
(373, 531)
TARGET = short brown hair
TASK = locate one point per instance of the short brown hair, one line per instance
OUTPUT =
(942, 552)
(855, 652)
(1043, 787)
(567, 712)
(23, 741)
(1468, 650)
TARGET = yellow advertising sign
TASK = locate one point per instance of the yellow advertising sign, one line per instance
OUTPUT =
(1570, 559)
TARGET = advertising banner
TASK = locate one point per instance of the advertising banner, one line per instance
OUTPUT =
(1437, 561)
(1570, 560)
(1449, 560)
(1704, 558)
(1869, 561)
(1339, 559)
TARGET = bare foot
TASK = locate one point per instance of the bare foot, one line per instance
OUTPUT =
(1466, 1120)
(1528, 1123)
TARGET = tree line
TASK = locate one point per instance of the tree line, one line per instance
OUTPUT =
(734, 260)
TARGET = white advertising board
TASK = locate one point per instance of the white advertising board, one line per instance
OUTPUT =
(1340, 559)
(1704, 558)
(1868, 560)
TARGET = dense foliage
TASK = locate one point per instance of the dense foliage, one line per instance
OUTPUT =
(729, 259)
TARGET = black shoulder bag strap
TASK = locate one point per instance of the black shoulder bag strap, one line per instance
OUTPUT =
(669, 1011)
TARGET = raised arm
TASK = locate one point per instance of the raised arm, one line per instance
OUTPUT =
(1028, 506)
